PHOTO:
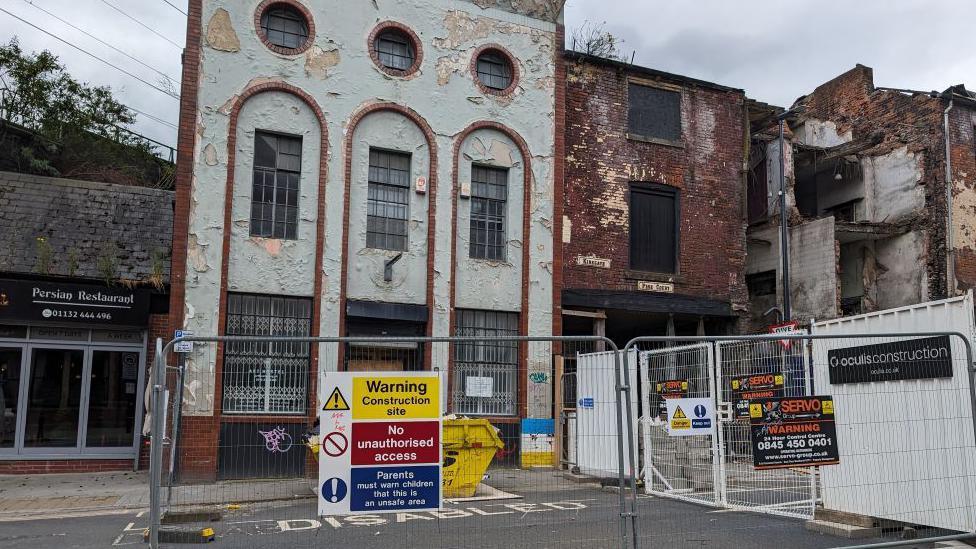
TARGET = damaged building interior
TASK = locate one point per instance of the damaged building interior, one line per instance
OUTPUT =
(866, 178)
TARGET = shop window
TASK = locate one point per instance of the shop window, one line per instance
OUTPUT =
(266, 377)
(489, 202)
(653, 113)
(486, 373)
(274, 195)
(653, 228)
(388, 200)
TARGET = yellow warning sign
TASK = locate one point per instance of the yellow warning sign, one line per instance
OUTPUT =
(679, 420)
(827, 406)
(755, 410)
(336, 401)
(403, 397)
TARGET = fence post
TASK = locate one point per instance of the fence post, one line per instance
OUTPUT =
(624, 389)
(156, 444)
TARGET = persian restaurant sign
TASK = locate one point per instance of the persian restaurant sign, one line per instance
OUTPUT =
(793, 432)
(380, 445)
(28, 301)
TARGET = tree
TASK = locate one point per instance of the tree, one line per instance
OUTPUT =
(593, 39)
(56, 125)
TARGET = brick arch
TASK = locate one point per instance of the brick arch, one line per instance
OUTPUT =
(240, 101)
(526, 241)
(421, 123)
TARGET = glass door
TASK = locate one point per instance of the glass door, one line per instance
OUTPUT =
(11, 373)
(54, 397)
(113, 391)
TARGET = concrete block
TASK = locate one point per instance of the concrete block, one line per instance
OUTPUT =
(841, 530)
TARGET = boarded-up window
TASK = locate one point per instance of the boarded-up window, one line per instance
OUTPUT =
(654, 113)
(653, 228)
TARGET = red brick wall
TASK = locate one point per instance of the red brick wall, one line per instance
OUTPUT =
(962, 139)
(35, 467)
(601, 162)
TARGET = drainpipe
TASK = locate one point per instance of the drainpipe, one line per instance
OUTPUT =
(784, 230)
(950, 264)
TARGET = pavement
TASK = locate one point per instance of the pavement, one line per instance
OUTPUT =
(535, 509)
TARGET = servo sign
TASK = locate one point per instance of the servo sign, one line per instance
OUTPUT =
(392, 461)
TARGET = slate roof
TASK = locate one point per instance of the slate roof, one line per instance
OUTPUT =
(89, 229)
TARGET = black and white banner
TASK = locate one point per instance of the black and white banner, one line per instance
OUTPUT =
(929, 357)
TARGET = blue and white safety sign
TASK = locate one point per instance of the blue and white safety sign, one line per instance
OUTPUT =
(690, 416)
(183, 346)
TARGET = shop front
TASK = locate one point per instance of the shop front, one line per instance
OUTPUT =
(72, 368)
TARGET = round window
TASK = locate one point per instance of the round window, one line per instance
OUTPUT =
(494, 71)
(285, 26)
(395, 50)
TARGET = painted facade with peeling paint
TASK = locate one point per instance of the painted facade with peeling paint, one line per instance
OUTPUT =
(341, 105)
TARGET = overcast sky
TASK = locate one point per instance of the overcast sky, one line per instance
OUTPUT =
(776, 50)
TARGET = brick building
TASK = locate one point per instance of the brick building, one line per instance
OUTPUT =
(653, 231)
(362, 169)
(84, 272)
(877, 218)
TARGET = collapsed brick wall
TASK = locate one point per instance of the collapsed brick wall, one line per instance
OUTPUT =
(913, 121)
(601, 162)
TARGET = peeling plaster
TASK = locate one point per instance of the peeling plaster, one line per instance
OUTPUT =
(210, 154)
(448, 100)
(319, 61)
(220, 32)
(196, 254)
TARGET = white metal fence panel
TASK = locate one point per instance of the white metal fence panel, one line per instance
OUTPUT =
(596, 412)
(907, 449)
(789, 492)
(678, 467)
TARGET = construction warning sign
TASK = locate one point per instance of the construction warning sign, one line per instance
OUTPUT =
(753, 387)
(336, 401)
(671, 388)
(690, 416)
(381, 446)
(793, 432)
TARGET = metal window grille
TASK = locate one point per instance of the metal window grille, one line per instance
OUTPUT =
(486, 373)
(268, 377)
(489, 200)
(284, 26)
(395, 50)
(388, 200)
(274, 192)
(654, 112)
(494, 71)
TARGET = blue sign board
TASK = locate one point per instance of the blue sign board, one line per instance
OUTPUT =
(393, 488)
(586, 402)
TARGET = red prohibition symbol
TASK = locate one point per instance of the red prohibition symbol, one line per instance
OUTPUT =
(335, 444)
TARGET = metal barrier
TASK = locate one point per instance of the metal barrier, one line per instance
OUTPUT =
(906, 437)
(902, 406)
(234, 412)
